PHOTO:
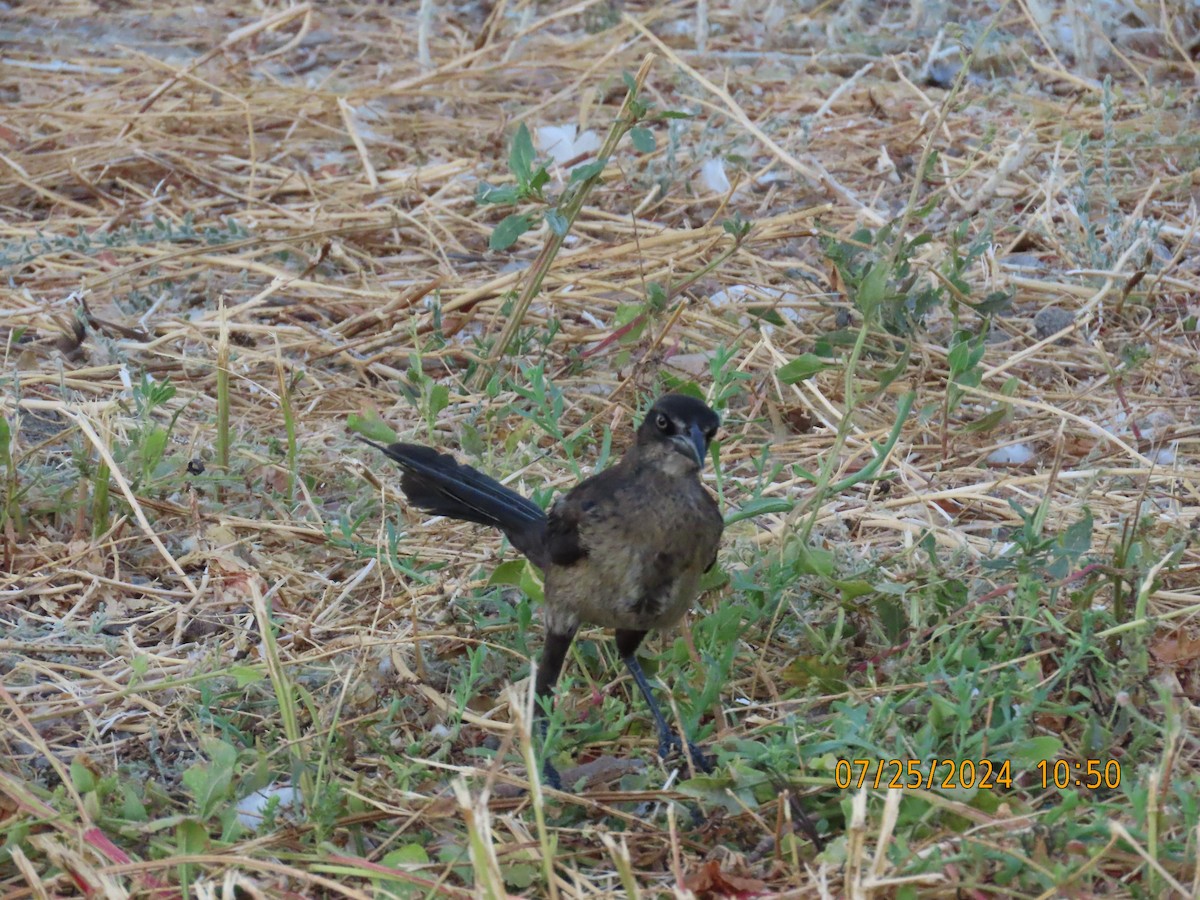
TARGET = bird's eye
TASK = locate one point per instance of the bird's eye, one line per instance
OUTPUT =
(663, 423)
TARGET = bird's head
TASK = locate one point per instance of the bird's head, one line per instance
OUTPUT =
(677, 430)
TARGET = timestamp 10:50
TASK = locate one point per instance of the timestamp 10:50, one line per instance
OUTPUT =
(1090, 774)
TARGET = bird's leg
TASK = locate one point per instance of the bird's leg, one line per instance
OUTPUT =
(554, 653)
(668, 739)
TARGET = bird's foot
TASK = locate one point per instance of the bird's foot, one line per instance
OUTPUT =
(670, 744)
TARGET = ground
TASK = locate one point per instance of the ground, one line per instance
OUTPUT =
(936, 265)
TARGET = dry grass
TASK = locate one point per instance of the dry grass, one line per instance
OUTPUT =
(274, 208)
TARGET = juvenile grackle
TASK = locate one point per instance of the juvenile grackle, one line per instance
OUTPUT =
(624, 549)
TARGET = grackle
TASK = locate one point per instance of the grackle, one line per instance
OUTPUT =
(623, 549)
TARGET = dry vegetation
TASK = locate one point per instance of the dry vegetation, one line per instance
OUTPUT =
(233, 234)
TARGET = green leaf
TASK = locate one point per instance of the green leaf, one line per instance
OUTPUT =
(852, 590)
(841, 338)
(719, 791)
(933, 203)
(931, 166)
(674, 114)
(487, 193)
(871, 291)
(826, 675)
(408, 855)
(557, 222)
(508, 572)
(245, 675)
(132, 808)
(510, 228)
(140, 666)
(5, 443)
(890, 374)
(439, 399)
(986, 423)
(470, 440)
(151, 393)
(531, 584)
(371, 426)
(521, 155)
(656, 296)
(210, 783)
(801, 472)
(643, 140)
(190, 837)
(1028, 753)
(714, 578)
(804, 366)
(82, 777)
(635, 333)
(891, 616)
(995, 302)
(1077, 539)
(154, 443)
(222, 753)
(519, 875)
(812, 561)
(588, 170)
(626, 313)
(760, 507)
(735, 226)
(678, 385)
(539, 180)
(957, 358)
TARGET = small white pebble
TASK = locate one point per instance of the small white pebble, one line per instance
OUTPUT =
(561, 143)
(713, 177)
(1064, 32)
(692, 363)
(720, 298)
(1012, 455)
(1022, 261)
(250, 809)
(757, 296)
(1164, 456)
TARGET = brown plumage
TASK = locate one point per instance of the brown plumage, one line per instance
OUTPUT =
(623, 549)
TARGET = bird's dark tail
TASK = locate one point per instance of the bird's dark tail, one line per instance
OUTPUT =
(436, 483)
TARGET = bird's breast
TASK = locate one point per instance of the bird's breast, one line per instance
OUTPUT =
(647, 544)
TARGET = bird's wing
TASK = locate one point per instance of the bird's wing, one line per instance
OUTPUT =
(718, 526)
(563, 544)
(577, 511)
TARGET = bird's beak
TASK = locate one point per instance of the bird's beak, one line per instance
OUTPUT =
(692, 444)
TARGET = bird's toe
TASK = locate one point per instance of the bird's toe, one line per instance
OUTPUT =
(673, 746)
(703, 761)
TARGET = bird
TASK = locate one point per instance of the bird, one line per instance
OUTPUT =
(624, 549)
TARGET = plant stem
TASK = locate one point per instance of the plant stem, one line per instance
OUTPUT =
(569, 208)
